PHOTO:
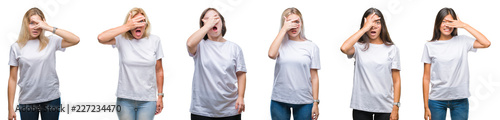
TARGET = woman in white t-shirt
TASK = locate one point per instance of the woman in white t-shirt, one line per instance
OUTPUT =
(296, 82)
(141, 71)
(446, 67)
(218, 66)
(376, 86)
(33, 55)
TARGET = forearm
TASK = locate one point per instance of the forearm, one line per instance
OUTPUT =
(315, 83)
(478, 35)
(68, 36)
(110, 34)
(425, 84)
(349, 43)
(397, 85)
(11, 92)
(196, 38)
(159, 76)
(241, 85)
(159, 81)
(426, 92)
(274, 48)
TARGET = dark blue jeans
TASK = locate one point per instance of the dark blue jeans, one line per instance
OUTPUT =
(49, 110)
(459, 109)
(281, 111)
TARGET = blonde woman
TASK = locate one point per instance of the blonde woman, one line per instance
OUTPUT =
(218, 66)
(141, 71)
(33, 55)
(296, 82)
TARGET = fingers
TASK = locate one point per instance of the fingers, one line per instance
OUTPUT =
(240, 108)
(159, 108)
(129, 16)
(139, 18)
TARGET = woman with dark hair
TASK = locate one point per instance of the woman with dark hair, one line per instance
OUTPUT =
(34, 57)
(376, 86)
(296, 82)
(446, 67)
(219, 65)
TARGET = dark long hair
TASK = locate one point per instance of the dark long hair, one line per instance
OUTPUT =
(439, 20)
(384, 33)
(223, 31)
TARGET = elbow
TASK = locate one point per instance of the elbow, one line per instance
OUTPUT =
(344, 49)
(101, 39)
(77, 40)
(189, 45)
(272, 56)
(487, 45)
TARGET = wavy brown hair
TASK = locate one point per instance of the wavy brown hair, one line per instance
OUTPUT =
(384, 33)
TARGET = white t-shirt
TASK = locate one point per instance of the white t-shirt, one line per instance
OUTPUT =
(449, 67)
(373, 86)
(37, 70)
(292, 73)
(214, 79)
(137, 77)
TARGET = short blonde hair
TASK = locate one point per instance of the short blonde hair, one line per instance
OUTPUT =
(290, 11)
(133, 12)
(24, 35)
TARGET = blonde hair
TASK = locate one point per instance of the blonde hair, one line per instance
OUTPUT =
(135, 11)
(24, 35)
(288, 12)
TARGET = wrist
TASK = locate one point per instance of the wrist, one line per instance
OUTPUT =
(241, 97)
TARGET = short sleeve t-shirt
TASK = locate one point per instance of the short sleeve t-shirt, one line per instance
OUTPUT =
(449, 67)
(137, 76)
(38, 81)
(292, 72)
(373, 84)
(214, 80)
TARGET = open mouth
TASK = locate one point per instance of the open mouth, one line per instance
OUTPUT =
(138, 32)
(294, 30)
(214, 29)
(373, 32)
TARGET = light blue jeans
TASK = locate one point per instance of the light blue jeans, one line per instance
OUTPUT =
(135, 110)
(459, 109)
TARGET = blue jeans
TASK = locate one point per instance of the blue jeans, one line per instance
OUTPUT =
(459, 109)
(49, 110)
(136, 110)
(281, 111)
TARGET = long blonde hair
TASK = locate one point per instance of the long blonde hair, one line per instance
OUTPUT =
(24, 35)
(288, 12)
(135, 11)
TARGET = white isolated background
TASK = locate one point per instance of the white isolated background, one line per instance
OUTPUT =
(88, 72)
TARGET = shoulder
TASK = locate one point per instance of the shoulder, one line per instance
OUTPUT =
(233, 45)
(464, 38)
(14, 45)
(54, 37)
(153, 37)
